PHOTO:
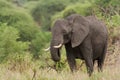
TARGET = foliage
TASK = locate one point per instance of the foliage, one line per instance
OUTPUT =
(38, 44)
(18, 2)
(79, 8)
(20, 21)
(9, 46)
(30, 5)
(114, 21)
(108, 8)
(4, 4)
(44, 10)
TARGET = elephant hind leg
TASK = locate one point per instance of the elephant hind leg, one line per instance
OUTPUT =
(102, 58)
(100, 65)
(100, 62)
(89, 65)
(93, 63)
(87, 52)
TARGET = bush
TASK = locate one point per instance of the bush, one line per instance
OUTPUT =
(107, 8)
(4, 4)
(84, 9)
(44, 10)
(20, 20)
(113, 21)
(38, 44)
(9, 46)
(30, 5)
(18, 2)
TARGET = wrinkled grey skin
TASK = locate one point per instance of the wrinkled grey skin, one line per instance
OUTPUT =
(84, 38)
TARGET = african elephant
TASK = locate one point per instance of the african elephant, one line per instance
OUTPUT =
(83, 37)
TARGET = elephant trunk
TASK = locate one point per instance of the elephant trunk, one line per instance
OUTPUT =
(55, 50)
(55, 54)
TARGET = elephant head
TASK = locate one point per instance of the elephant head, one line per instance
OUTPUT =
(73, 29)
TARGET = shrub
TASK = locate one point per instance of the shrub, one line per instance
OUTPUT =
(79, 8)
(30, 5)
(9, 46)
(4, 4)
(107, 8)
(20, 20)
(18, 2)
(44, 10)
(38, 44)
(114, 21)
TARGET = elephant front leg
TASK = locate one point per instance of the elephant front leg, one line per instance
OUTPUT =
(71, 61)
(70, 56)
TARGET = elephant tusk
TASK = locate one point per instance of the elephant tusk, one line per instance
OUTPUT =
(58, 46)
(47, 49)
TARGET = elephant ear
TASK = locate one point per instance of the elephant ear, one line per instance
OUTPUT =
(80, 30)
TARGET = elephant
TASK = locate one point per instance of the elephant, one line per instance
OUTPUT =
(84, 38)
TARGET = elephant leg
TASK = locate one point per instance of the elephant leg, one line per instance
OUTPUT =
(89, 65)
(102, 58)
(93, 63)
(70, 56)
(87, 52)
(100, 64)
(71, 62)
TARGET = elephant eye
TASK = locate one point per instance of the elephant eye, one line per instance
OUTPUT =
(66, 37)
(64, 32)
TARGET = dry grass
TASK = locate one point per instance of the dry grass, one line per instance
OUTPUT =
(109, 73)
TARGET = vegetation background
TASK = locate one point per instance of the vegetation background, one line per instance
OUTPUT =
(25, 27)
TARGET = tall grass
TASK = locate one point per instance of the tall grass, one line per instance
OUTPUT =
(46, 74)
(32, 71)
